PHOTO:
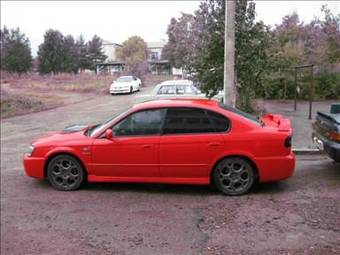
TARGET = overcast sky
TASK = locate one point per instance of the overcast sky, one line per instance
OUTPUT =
(117, 20)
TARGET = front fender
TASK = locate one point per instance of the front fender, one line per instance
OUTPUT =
(83, 154)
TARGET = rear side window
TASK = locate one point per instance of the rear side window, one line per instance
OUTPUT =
(220, 123)
(186, 120)
(167, 90)
(237, 111)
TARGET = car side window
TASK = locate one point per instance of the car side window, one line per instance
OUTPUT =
(186, 120)
(140, 123)
(167, 90)
(220, 123)
(180, 89)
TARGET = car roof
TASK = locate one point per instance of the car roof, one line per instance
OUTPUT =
(176, 102)
(126, 76)
(176, 82)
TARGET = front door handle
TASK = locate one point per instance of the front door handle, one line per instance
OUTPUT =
(147, 146)
(214, 144)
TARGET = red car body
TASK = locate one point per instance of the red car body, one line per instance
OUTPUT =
(174, 158)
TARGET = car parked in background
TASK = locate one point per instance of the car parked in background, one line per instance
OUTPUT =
(176, 89)
(177, 141)
(326, 134)
(125, 84)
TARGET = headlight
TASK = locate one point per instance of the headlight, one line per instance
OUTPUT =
(29, 151)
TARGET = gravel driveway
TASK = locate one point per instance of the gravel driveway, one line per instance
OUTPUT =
(297, 216)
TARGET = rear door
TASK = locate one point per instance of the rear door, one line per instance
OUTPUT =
(189, 143)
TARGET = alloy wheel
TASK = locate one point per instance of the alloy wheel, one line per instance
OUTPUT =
(234, 176)
(65, 173)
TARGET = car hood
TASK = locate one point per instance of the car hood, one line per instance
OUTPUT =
(120, 84)
(68, 135)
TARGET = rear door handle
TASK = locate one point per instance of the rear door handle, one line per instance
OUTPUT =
(214, 144)
(147, 146)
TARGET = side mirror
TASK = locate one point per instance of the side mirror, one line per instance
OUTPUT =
(108, 134)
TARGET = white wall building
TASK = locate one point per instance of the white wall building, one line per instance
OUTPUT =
(157, 65)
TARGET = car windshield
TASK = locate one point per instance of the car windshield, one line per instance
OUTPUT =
(239, 112)
(124, 79)
(97, 128)
(196, 90)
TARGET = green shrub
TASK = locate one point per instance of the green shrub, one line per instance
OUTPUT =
(326, 86)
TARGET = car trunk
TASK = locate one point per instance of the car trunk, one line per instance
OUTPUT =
(277, 121)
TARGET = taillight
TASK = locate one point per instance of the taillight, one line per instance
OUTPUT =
(334, 136)
(288, 142)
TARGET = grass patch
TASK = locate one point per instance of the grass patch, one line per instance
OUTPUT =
(13, 104)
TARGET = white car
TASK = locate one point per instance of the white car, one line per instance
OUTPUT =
(176, 89)
(125, 84)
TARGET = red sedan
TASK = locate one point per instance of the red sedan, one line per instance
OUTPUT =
(168, 141)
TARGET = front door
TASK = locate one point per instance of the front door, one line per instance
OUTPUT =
(133, 150)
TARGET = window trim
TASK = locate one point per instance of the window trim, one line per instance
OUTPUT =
(161, 133)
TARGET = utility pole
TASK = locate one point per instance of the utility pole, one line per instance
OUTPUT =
(229, 54)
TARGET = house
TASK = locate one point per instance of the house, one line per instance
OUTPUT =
(156, 64)
(111, 63)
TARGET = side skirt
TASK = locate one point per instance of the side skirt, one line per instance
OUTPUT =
(195, 181)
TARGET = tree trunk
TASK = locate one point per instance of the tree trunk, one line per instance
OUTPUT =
(229, 54)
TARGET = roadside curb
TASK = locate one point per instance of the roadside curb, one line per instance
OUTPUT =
(306, 151)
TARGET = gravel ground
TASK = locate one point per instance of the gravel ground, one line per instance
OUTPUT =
(296, 216)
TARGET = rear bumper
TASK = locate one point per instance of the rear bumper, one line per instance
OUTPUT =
(34, 167)
(330, 147)
(275, 168)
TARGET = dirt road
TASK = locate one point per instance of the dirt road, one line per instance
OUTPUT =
(297, 216)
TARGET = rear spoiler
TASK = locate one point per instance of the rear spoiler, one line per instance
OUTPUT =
(282, 123)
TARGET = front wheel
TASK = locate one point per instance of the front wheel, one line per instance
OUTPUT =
(234, 176)
(65, 173)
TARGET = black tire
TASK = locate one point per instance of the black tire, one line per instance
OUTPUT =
(65, 173)
(234, 176)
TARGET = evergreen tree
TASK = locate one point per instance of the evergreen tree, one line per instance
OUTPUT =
(71, 58)
(95, 54)
(83, 61)
(51, 53)
(15, 51)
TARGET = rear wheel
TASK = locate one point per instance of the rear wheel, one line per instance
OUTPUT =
(234, 176)
(65, 173)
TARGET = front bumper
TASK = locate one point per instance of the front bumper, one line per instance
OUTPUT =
(330, 147)
(275, 168)
(119, 90)
(34, 166)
